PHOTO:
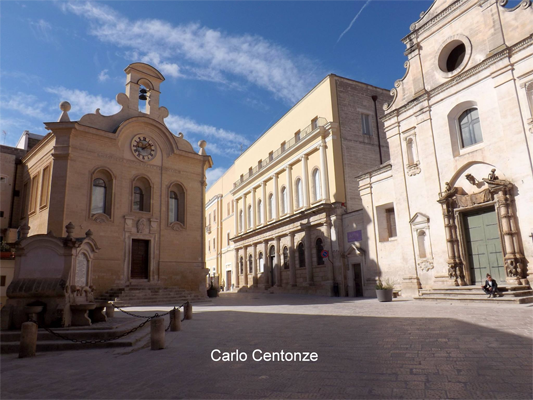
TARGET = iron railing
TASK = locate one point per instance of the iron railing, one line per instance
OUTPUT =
(308, 130)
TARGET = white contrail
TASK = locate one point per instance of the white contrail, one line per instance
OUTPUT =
(353, 20)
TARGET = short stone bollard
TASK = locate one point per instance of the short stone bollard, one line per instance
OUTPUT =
(188, 311)
(157, 333)
(28, 340)
(110, 311)
(175, 320)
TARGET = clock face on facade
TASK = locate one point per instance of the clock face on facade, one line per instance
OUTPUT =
(143, 148)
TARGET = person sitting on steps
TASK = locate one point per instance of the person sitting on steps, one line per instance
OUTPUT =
(490, 287)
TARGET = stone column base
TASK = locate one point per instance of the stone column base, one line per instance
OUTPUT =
(442, 281)
(510, 280)
(410, 286)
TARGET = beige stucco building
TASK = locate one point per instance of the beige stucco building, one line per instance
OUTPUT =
(138, 187)
(283, 201)
(456, 200)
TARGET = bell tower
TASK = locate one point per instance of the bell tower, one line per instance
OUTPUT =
(143, 75)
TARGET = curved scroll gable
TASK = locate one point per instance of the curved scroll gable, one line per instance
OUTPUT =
(397, 85)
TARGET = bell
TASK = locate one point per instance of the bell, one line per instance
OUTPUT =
(142, 94)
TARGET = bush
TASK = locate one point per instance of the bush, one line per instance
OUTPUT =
(4, 247)
(384, 286)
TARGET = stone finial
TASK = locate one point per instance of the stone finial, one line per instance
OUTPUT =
(24, 230)
(202, 144)
(180, 135)
(89, 233)
(64, 106)
(70, 230)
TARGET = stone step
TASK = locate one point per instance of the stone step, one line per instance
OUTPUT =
(497, 300)
(440, 293)
(121, 303)
(476, 288)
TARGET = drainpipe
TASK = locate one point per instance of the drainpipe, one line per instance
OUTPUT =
(17, 163)
(375, 98)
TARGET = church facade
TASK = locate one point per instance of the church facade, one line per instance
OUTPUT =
(130, 181)
(456, 200)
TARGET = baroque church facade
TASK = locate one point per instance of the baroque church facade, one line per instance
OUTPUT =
(456, 200)
(130, 181)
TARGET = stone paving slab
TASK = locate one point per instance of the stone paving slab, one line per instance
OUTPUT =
(367, 350)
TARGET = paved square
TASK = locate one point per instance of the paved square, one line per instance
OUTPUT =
(366, 349)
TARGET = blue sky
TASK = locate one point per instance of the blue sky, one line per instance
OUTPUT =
(232, 68)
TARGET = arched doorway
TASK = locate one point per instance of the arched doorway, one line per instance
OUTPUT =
(272, 259)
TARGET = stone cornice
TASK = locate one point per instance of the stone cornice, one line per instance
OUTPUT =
(507, 52)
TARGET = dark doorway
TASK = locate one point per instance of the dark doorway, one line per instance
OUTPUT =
(358, 280)
(483, 245)
(140, 252)
(228, 280)
(272, 258)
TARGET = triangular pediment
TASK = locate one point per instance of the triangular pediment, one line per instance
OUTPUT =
(419, 218)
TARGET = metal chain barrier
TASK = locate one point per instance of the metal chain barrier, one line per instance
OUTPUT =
(146, 319)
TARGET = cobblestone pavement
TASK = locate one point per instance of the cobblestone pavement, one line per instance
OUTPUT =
(366, 349)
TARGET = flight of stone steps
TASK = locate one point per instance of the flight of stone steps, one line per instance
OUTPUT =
(150, 294)
(511, 294)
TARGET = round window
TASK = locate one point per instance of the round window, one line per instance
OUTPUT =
(452, 56)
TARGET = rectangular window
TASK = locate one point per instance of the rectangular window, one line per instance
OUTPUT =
(271, 156)
(365, 125)
(232, 207)
(250, 171)
(260, 164)
(242, 177)
(209, 245)
(215, 216)
(297, 137)
(2, 280)
(227, 239)
(228, 210)
(391, 222)
(283, 146)
(34, 193)
(214, 247)
(1, 214)
(314, 123)
(45, 186)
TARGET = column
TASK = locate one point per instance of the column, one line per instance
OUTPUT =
(324, 168)
(254, 220)
(308, 255)
(265, 264)
(290, 195)
(245, 265)
(305, 182)
(292, 261)
(265, 202)
(278, 261)
(235, 212)
(275, 213)
(244, 214)
(327, 245)
(255, 266)
(236, 269)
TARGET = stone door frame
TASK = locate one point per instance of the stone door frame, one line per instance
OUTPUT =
(459, 217)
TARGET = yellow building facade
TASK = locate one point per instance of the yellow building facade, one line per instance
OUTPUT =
(281, 204)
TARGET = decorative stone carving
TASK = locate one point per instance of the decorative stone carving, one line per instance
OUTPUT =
(413, 169)
(142, 226)
(100, 218)
(177, 226)
(425, 265)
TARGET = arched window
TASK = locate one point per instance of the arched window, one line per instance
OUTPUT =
(261, 263)
(176, 204)
(317, 194)
(270, 206)
(98, 204)
(470, 128)
(301, 255)
(283, 200)
(250, 216)
(299, 193)
(250, 264)
(138, 199)
(259, 212)
(286, 257)
(422, 244)
(319, 249)
(241, 264)
(410, 151)
(142, 193)
(241, 221)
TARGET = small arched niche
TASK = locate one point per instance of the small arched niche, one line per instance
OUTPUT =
(142, 194)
